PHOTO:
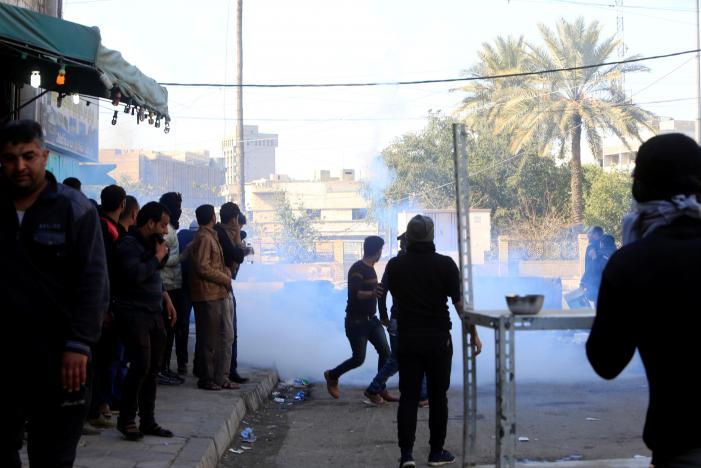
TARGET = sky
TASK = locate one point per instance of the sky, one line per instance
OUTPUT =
(322, 41)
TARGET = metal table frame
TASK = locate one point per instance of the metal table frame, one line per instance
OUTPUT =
(505, 326)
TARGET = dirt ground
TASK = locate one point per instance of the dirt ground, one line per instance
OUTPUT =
(578, 421)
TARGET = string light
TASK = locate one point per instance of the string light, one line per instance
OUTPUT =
(35, 79)
(61, 77)
(76, 98)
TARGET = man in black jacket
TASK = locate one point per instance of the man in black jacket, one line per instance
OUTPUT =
(138, 310)
(649, 297)
(54, 288)
(420, 282)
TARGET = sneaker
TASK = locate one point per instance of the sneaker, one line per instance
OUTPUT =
(441, 458)
(388, 397)
(102, 422)
(163, 379)
(374, 398)
(332, 385)
(423, 404)
(238, 379)
(172, 375)
(407, 461)
(90, 431)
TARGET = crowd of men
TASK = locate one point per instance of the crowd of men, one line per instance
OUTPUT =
(95, 298)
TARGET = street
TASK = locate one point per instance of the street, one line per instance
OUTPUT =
(576, 421)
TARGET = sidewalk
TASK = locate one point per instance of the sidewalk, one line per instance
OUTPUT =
(204, 424)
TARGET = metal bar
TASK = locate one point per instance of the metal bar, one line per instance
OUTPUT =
(505, 395)
(462, 191)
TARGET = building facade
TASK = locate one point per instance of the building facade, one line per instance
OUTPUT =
(258, 152)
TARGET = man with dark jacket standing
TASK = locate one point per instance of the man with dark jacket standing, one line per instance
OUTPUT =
(649, 297)
(54, 288)
(420, 282)
(138, 310)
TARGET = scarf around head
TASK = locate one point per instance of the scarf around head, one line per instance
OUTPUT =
(648, 216)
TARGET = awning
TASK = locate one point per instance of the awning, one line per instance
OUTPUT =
(34, 41)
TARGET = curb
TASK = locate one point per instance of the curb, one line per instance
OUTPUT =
(205, 452)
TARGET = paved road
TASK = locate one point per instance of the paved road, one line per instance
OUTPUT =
(322, 432)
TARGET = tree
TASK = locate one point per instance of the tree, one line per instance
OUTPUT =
(554, 111)
(297, 239)
(608, 199)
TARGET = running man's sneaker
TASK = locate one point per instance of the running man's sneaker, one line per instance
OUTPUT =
(374, 398)
(407, 461)
(441, 458)
(388, 397)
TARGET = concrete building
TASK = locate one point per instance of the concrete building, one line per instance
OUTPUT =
(48, 7)
(335, 205)
(195, 175)
(619, 157)
(258, 152)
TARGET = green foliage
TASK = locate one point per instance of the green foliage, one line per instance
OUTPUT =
(555, 111)
(608, 199)
(297, 238)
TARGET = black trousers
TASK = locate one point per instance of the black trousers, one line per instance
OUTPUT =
(431, 353)
(233, 368)
(54, 419)
(143, 336)
(177, 334)
(105, 355)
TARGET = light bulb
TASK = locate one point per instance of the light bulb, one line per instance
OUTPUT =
(35, 79)
(61, 77)
(76, 98)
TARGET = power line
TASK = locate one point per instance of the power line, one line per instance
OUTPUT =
(444, 80)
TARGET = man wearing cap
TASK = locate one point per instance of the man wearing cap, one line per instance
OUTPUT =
(362, 324)
(420, 282)
(649, 297)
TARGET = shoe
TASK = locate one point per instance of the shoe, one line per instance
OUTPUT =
(332, 385)
(130, 432)
(182, 369)
(441, 458)
(155, 430)
(407, 461)
(172, 375)
(423, 404)
(388, 397)
(238, 379)
(102, 422)
(90, 431)
(163, 379)
(374, 398)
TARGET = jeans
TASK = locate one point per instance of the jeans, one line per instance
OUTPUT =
(36, 396)
(430, 353)
(143, 335)
(178, 333)
(233, 368)
(379, 383)
(359, 332)
(214, 337)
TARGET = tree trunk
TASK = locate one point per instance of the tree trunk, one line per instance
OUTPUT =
(576, 172)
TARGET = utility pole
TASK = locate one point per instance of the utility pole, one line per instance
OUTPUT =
(240, 176)
(698, 76)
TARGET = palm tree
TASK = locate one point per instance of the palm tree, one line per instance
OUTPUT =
(551, 110)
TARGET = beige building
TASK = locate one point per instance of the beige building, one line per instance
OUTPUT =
(258, 152)
(619, 157)
(48, 7)
(336, 207)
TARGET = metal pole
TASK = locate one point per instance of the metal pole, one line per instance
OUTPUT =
(698, 76)
(462, 191)
(240, 173)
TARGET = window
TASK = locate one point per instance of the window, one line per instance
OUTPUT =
(360, 213)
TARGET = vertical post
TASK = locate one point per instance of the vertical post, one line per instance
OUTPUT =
(505, 444)
(462, 191)
(698, 76)
(240, 173)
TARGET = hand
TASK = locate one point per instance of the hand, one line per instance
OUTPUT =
(379, 290)
(161, 251)
(74, 370)
(385, 322)
(477, 343)
(172, 314)
(249, 251)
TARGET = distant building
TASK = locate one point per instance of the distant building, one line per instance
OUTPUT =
(619, 157)
(195, 175)
(335, 205)
(258, 152)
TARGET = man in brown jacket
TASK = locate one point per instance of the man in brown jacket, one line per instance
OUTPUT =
(210, 290)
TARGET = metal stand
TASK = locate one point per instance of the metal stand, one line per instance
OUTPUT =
(504, 345)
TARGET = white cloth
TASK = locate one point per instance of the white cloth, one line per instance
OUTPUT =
(20, 216)
(646, 217)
